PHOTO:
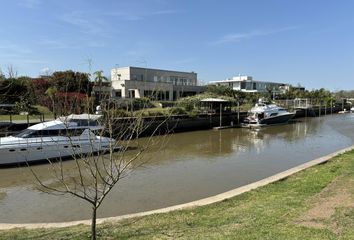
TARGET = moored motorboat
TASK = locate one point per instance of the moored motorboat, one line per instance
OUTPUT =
(263, 114)
(64, 137)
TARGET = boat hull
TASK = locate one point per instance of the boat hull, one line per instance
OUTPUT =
(279, 119)
(13, 154)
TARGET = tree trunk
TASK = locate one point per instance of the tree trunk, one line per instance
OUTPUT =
(53, 106)
(93, 223)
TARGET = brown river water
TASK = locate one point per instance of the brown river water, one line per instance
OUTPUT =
(190, 166)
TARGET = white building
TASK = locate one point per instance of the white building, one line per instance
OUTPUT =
(248, 84)
(137, 82)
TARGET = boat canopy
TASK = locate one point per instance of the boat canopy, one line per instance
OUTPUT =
(71, 121)
(84, 116)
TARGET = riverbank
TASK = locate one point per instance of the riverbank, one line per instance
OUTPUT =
(316, 203)
(165, 124)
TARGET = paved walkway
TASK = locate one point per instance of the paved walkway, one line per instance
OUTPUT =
(202, 202)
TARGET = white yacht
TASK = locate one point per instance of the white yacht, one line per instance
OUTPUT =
(267, 114)
(64, 137)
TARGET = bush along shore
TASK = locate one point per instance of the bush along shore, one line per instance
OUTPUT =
(317, 203)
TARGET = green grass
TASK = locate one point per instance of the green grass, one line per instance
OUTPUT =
(270, 212)
(41, 111)
(32, 118)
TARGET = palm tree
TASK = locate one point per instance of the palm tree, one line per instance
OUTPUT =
(99, 78)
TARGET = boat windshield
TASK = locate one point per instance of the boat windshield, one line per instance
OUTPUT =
(25, 133)
(85, 122)
(28, 133)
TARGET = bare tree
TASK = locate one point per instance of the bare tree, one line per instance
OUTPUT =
(2, 75)
(11, 72)
(97, 172)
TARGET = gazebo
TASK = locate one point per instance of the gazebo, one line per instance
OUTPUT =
(215, 105)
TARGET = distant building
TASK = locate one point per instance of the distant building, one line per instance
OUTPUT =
(158, 84)
(248, 84)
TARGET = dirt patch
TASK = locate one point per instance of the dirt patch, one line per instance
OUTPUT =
(337, 194)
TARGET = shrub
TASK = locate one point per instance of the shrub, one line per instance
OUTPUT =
(193, 113)
(142, 103)
(121, 113)
(177, 111)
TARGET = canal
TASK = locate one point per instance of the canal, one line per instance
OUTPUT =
(188, 167)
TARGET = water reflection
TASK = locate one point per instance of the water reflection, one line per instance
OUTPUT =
(182, 168)
(230, 141)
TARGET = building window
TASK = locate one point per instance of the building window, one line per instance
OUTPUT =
(132, 93)
(174, 80)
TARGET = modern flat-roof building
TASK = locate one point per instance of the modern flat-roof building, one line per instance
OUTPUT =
(137, 82)
(248, 84)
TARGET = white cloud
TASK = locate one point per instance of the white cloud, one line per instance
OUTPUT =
(87, 23)
(58, 44)
(237, 37)
(45, 71)
(73, 44)
(14, 49)
(124, 15)
(135, 53)
(95, 22)
(130, 16)
(30, 3)
(184, 61)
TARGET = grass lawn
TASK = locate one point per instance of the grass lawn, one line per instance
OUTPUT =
(317, 203)
(32, 118)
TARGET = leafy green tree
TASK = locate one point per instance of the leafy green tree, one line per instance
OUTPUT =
(292, 93)
(70, 81)
(220, 90)
(12, 88)
(39, 87)
(344, 94)
(319, 96)
(23, 105)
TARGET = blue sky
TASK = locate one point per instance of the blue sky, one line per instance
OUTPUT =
(310, 42)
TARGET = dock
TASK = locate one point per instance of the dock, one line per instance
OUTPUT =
(226, 127)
